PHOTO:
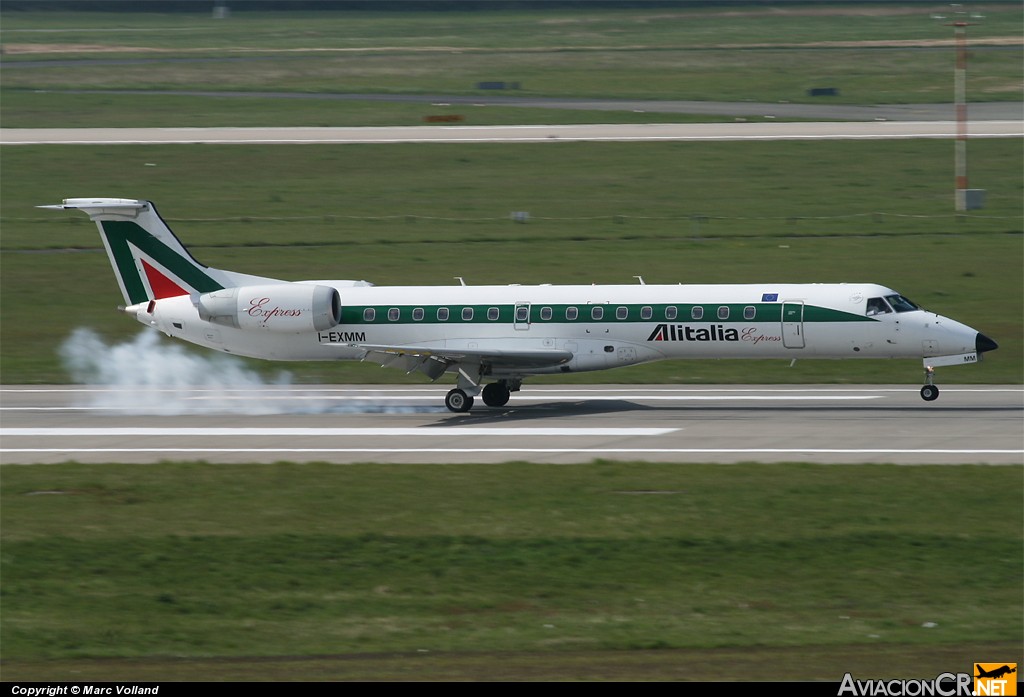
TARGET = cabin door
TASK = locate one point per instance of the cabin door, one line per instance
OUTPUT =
(793, 325)
(522, 318)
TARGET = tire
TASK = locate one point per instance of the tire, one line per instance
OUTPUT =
(496, 395)
(929, 393)
(458, 401)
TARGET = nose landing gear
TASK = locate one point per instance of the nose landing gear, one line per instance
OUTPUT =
(929, 392)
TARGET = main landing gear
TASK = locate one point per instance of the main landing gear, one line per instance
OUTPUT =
(495, 394)
(458, 401)
(929, 392)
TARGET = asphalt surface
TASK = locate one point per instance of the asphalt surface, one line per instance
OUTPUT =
(983, 111)
(512, 134)
(551, 424)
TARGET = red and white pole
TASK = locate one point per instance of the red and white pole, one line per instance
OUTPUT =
(960, 94)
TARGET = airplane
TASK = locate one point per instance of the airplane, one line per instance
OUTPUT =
(493, 337)
(995, 673)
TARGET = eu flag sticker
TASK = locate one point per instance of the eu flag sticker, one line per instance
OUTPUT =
(769, 297)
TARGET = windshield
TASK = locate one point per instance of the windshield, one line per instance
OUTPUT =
(877, 306)
(901, 304)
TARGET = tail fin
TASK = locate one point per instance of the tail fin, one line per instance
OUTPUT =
(149, 261)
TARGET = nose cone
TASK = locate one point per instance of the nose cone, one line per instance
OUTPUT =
(983, 343)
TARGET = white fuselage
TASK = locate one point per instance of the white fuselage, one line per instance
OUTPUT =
(602, 326)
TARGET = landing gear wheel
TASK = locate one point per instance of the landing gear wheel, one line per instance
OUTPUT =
(929, 393)
(496, 394)
(458, 401)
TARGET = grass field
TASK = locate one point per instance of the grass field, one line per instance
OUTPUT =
(908, 570)
(870, 55)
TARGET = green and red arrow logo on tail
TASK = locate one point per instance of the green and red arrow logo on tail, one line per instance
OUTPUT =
(127, 241)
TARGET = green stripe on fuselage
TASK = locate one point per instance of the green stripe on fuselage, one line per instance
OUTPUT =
(763, 312)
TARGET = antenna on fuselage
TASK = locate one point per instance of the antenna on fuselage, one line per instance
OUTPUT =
(460, 279)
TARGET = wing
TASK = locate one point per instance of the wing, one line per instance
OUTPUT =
(433, 362)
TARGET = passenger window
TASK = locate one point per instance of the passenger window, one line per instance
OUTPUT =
(492, 313)
(723, 312)
(368, 314)
(523, 313)
(545, 313)
(697, 312)
(596, 312)
(442, 314)
(646, 312)
(877, 306)
(671, 312)
(393, 314)
(467, 314)
(621, 312)
(749, 312)
(417, 314)
(571, 313)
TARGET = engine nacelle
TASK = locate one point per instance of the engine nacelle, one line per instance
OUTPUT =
(282, 307)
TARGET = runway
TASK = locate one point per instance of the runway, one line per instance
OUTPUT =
(511, 134)
(979, 111)
(551, 424)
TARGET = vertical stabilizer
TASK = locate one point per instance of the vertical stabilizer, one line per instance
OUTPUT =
(149, 261)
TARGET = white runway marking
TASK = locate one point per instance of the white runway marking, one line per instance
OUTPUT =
(326, 399)
(386, 391)
(543, 451)
(429, 388)
(425, 431)
(368, 400)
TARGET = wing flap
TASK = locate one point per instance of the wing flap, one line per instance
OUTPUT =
(434, 361)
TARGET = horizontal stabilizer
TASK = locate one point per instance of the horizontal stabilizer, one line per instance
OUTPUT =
(96, 206)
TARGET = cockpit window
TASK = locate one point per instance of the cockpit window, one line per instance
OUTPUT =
(877, 306)
(901, 304)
